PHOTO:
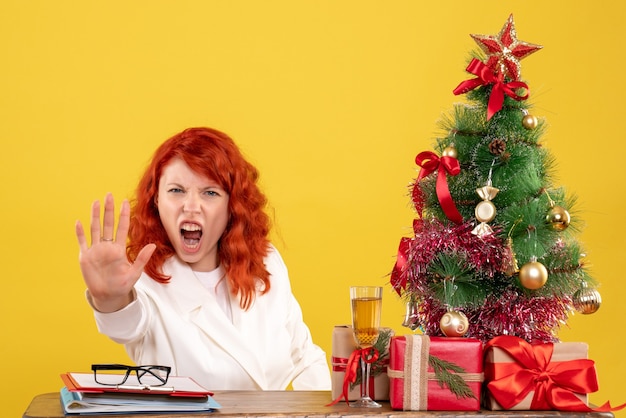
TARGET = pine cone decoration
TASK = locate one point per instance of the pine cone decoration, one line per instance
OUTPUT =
(497, 147)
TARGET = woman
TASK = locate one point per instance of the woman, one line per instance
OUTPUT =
(189, 278)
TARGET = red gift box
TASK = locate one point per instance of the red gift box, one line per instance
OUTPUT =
(343, 345)
(413, 383)
(523, 376)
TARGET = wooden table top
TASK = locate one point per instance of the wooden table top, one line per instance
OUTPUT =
(297, 404)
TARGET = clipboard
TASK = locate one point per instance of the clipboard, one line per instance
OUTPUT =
(176, 386)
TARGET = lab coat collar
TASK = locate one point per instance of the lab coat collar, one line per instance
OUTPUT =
(202, 308)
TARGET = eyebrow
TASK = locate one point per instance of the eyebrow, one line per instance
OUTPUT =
(178, 184)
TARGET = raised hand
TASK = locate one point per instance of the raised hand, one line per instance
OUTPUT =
(108, 274)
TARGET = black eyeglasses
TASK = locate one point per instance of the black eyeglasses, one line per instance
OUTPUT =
(117, 374)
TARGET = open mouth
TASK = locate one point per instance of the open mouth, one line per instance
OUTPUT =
(191, 234)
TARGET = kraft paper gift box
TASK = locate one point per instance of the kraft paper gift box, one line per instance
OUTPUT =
(413, 383)
(516, 371)
(343, 344)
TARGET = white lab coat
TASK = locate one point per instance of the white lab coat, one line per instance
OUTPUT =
(180, 324)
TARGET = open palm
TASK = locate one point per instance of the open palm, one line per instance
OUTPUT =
(108, 274)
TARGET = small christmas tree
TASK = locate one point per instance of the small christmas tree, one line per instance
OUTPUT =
(494, 249)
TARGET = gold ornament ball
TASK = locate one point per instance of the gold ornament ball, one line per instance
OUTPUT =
(529, 122)
(454, 324)
(558, 218)
(533, 275)
(587, 301)
(450, 151)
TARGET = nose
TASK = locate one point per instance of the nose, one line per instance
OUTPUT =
(191, 203)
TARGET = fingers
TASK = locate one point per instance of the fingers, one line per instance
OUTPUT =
(80, 235)
(104, 233)
(95, 222)
(108, 220)
(142, 259)
(123, 223)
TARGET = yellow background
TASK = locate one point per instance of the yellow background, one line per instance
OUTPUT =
(331, 100)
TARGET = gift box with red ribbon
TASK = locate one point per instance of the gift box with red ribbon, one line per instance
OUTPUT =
(523, 376)
(435, 373)
(343, 349)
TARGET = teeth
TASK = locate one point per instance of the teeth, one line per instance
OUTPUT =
(190, 227)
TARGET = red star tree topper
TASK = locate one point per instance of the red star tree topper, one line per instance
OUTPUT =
(505, 51)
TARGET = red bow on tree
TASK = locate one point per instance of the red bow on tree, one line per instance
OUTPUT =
(398, 276)
(485, 76)
(430, 162)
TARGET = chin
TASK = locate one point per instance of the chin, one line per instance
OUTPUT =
(198, 262)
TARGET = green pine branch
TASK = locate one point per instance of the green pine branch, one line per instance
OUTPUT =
(464, 289)
(446, 374)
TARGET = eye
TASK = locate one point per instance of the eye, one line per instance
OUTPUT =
(212, 193)
(175, 190)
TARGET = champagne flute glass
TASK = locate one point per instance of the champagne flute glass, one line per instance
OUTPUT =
(366, 308)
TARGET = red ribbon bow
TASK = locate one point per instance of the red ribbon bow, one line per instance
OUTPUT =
(555, 384)
(368, 355)
(398, 278)
(500, 88)
(429, 161)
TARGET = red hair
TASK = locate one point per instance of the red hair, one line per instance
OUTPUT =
(244, 243)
